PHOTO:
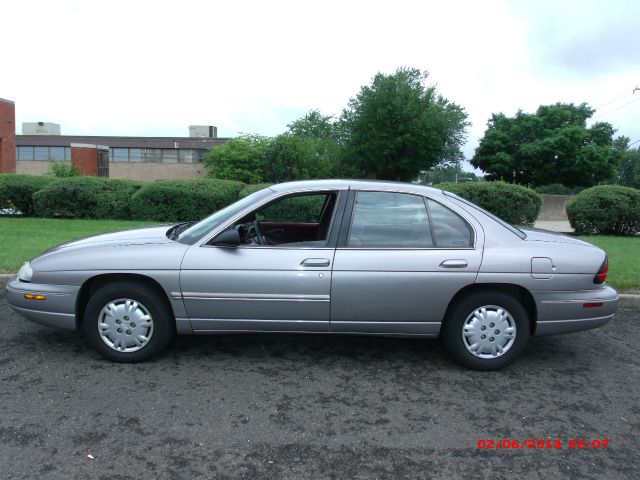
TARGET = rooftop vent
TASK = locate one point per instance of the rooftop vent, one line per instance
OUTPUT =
(40, 128)
(203, 131)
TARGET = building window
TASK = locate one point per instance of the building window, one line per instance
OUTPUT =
(152, 155)
(41, 153)
(169, 155)
(120, 154)
(24, 153)
(186, 156)
(135, 155)
(57, 154)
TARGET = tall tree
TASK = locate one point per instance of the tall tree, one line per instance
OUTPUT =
(398, 126)
(241, 158)
(553, 145)
(629, 165)
(314, 125)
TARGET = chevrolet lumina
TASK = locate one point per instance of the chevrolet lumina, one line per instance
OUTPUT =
(330, 257)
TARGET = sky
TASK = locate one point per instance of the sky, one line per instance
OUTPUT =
(155, 67)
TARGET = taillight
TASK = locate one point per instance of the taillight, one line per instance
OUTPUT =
(601, 276)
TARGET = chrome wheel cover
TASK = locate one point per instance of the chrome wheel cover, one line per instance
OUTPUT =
(125, 325)
(489, 332)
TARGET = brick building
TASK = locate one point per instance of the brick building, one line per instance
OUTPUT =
(135, 158)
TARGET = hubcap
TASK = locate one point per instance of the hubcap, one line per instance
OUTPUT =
(489, 331)
(125, 325)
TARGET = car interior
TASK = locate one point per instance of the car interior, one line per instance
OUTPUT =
(296, 220)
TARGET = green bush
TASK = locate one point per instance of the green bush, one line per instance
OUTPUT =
(249, 189)
(557, 189)
(514, 204)
(86, 197)
(607, 209)
(16, 191)
(183, 200)
(63, 169)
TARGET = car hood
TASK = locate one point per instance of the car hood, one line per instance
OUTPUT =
(138, 236)
(538, 235)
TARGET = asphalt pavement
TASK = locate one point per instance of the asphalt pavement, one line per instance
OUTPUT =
(285, 406)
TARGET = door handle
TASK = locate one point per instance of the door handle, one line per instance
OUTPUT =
(454, 264)
(315, 262)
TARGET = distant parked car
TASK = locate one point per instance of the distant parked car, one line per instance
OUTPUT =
(345, 257)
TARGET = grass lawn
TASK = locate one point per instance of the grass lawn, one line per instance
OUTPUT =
(624, 260)
(22, 238)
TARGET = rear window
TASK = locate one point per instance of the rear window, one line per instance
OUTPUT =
(449, 230)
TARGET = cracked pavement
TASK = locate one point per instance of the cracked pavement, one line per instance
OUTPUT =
(307, 406)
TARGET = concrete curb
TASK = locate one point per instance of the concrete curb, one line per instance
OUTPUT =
(627, 300)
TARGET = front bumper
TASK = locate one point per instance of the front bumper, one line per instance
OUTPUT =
(565, 312)
(57, 310)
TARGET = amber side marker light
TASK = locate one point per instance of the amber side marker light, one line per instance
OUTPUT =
(31, 296)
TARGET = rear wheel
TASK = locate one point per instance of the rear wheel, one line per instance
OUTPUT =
(127, 322)
(486, 330)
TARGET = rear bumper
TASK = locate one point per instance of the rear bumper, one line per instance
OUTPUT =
(57, 310)
(565, 312)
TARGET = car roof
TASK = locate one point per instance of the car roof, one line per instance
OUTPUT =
(356, 185)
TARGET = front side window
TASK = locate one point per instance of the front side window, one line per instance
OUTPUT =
(299, 220)
(449, 230)
(389, 220)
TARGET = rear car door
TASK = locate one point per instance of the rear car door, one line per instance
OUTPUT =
(400, 259)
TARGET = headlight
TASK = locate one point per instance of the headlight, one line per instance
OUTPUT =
(25, 273)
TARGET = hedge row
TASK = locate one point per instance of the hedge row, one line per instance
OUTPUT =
(16, 191)
(86, 197)
(183, 200)
(606, 209)
(514, 204)
(91, 197)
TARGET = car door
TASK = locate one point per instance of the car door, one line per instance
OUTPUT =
(265, 287)
(400, 260)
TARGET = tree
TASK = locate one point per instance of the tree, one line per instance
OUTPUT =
(552, 145)
(288, 157)
(447, 173)
(241, 158)
(399, 126)
(629, 165)
(314, 125)
(325, 136)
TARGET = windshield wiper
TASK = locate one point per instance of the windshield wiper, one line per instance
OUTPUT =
(176, 230)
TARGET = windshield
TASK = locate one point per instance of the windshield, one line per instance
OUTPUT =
(506, 225)
(197, 231)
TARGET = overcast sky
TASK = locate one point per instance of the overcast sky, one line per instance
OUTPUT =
(153, 68)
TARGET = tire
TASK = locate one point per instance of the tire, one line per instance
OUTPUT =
(128, 322)
(486, 330)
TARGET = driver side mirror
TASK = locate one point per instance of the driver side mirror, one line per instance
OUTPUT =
(228, 238)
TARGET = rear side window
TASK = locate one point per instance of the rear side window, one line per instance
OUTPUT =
(389, 220)
(449, 229)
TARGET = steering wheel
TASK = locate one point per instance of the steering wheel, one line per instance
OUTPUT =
(260, 238)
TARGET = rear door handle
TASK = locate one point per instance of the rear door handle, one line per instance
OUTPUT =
(315, 262)
(454, 264)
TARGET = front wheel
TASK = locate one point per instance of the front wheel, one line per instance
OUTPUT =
(127, 322)
(486, 331)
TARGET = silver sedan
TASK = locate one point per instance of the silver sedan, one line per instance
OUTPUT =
(343, 257)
